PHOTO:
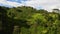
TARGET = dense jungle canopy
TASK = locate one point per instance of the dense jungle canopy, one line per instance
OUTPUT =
(28, 20)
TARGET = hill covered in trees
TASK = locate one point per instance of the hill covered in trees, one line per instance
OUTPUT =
(28, 20)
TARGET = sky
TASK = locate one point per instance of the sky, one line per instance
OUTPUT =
(38, 4)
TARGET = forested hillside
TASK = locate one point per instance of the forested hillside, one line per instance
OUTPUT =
(28, 20)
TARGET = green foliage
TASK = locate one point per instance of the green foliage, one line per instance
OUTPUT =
(29, 21)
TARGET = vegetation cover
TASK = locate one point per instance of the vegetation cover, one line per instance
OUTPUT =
(28, 20)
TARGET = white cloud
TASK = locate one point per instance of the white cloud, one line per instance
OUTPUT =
(15, 4)
(44, 4)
